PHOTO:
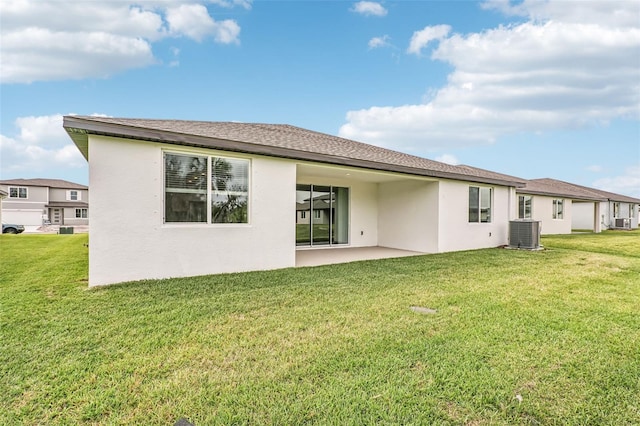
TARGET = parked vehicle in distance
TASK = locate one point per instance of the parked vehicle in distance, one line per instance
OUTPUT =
(12, 229)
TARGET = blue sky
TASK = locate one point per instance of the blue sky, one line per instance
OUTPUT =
(531, 89)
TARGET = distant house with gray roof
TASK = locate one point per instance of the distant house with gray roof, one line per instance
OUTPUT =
(31, 202)
(562, 207)
(552, 203)
(194, 198)
(616, 211)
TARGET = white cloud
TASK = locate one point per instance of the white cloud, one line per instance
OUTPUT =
(625, 184)
(226, 3)
(40, 145)
(377, 42)
(38, 54)
(194, 21)
(420, 39)
(448, 159)
(176, 55)
(613, 13)
(369, 8)
(537, 76)
(594, 168)
(52, 40)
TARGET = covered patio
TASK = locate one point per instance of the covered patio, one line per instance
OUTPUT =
(324, 256)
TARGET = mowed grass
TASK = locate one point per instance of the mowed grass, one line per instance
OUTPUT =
(537, 338)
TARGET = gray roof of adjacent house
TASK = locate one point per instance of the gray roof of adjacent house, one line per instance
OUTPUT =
(50, 183)
(278, 140)
(554, 187)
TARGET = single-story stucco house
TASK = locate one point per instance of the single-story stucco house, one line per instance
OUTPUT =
(616, 211)
(177, 198)
(563, 206)
(553, 203)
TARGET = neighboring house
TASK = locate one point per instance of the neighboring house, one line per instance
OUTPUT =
(616, 211)
(553, 203)
(32, 202)
(3, 195)
(194, 198)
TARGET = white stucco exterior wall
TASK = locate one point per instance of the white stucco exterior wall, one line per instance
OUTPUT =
(408, 215)
(363, 214)
(542, 210)
(635, 222)
(584, 215)
(129, 241)
(455, 231)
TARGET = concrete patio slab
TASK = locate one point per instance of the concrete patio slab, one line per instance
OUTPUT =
(329, 256)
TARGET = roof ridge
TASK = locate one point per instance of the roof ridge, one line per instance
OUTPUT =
(48, 182)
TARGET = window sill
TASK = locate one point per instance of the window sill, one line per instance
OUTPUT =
(190, 225)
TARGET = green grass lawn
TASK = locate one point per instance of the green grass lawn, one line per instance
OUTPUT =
(534, 338)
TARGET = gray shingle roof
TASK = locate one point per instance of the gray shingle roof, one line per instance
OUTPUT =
(278, 140)
(617, 197)
(554, 187)
(50, 183)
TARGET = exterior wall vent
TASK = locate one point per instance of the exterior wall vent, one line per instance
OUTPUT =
(524, 234)
(623, 223)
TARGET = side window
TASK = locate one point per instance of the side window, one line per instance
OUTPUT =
(203, 189)
(229, 190)
(185, 188)
(18, 192)
(524, 206)
(480, 201)
(558, 209)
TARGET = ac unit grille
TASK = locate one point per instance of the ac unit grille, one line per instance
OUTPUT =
(524, 234)
(623, 223)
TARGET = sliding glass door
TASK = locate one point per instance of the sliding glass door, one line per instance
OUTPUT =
(339, 215)
(322, 215)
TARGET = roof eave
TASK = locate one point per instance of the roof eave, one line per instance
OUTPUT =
(78, 134)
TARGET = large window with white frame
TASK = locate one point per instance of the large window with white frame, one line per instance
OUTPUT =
(616, 209)
(480, 201)
(18, 192)
(524, 206)
(558, 209)
(205, 189)
(81, 213)
(73, 195)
